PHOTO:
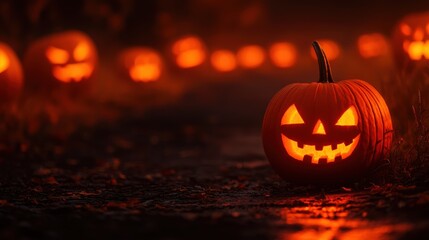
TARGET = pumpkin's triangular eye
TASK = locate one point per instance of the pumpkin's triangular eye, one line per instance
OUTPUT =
(81, 51)
(57, 55)
(292, 116)
(405, 29)
(349, 118)
(4, 61)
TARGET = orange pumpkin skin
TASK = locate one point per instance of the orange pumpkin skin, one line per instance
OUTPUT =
(326, 132)
(62, 58)
(411, 42)
(11, 76)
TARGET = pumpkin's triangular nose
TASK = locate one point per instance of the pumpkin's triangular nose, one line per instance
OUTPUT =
(319, 128)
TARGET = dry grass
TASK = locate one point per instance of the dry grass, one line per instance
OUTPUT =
(408, 162)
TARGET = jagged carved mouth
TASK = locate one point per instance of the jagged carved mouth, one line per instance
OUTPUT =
(319, 154)
(72, 72)
(417, 50)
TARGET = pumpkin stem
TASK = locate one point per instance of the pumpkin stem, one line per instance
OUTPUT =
(325, 74)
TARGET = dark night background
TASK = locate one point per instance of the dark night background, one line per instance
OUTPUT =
(182, 158)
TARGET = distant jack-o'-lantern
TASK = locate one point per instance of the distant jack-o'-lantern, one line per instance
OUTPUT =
(283, 54)
(326, 132)
(11, 77)
(189, 52)
(331, 48)
(250, 56)
(60, 58)
(223, 60)
(411, 40)
(372, 45)
(141, 64)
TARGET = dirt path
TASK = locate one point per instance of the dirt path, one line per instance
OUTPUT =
(186, 185)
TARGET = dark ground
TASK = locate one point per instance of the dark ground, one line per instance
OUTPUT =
(137, 179)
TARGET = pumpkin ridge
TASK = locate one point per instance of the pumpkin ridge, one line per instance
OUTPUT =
(385, 115)
(364, 94)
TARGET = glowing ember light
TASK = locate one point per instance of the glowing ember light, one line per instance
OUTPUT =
(189, 52)
(223, 60)
(331, 48)
(372, 45)
(251, 56)
(283, 54)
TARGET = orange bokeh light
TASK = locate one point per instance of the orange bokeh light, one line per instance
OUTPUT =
(223, 60)
(251, 56)
(146, 67)
(283, 54)
(189, 52)
(331, 48)
(372, 45)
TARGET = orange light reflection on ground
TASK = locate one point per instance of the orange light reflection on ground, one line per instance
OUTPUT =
(321, 222)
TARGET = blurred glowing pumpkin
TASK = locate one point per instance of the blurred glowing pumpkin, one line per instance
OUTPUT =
(250, 56)
(189, 52)
(372, 45)
(326, 132)
(11, 77)
(223, 60)
(411, 40)
(65, 57)
(331, 48)
(141, 64)
(283, 54)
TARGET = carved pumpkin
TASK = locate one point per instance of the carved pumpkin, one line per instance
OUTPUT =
(326, 132)
(141, 64)
(411, 41)
(67, 57)
(189, 52)
(11, 77)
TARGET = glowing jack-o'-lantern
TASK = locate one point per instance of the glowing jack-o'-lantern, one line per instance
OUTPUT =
(372, 45)
(326, 132)
(141, 64)
(411, 40)
(223, 60)
(11, 77)
(189, 52)
(283, 54)
(60, 58)
(251, 56)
